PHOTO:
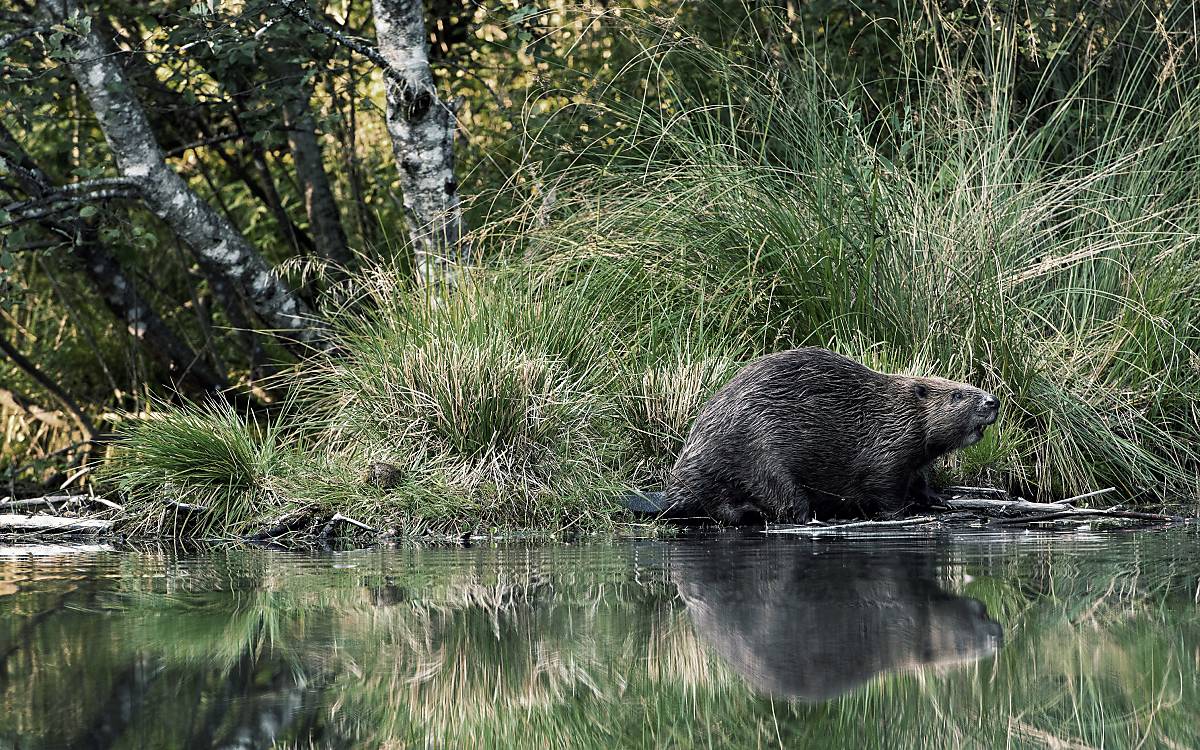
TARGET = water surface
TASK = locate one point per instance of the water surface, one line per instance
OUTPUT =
(735, 639)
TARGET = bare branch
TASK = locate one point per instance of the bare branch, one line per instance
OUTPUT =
(49, 385)
(40, 208)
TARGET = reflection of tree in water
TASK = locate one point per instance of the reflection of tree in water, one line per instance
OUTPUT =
(246, 656)
(102, 662)
(814, 620)
(510, 647)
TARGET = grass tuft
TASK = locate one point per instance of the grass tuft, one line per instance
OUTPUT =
(197, 454)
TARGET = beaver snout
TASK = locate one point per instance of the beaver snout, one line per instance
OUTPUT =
(990, 402)
(989, 408)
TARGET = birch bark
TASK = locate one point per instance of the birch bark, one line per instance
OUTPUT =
(114, 286)
(422, 129)
(138, 155)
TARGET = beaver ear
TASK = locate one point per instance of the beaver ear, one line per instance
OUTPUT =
(920, 390)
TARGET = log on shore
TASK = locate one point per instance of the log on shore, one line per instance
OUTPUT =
(12, 523)
(48, 501)
(56, 502)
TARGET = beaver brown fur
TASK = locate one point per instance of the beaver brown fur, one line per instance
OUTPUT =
(809, 431)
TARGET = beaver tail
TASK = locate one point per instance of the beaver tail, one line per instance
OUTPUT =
(660, 506)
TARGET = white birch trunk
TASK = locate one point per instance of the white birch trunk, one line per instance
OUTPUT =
(422, 129)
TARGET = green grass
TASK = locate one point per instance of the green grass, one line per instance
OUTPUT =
(732, 207)
(204, 454)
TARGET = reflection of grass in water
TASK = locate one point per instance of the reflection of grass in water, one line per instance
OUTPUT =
(536, 650)
(1105, 686)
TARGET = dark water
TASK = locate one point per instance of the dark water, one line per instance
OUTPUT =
(732, 640)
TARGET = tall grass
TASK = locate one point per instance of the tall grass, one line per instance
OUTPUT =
(737, 201)
(1048, 255)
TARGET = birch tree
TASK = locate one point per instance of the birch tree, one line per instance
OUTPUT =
(107, 276)
(213, 239)
(421, 127)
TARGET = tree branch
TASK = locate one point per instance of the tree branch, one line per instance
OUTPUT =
(54, 202)
(300, 10)
(16, 36)
(51, 387)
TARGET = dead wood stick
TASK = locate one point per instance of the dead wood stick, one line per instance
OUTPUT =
(52, 501)
(980, 490)
(327, 531)
(1094, 512)
(53, 524)
(106, 503)
(1020, 506)
(284, 526)
(47, 500)
(187, 507)
(809, 529)
(1086, 495)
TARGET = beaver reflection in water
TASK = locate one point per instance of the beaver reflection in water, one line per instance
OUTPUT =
(808, 429)
(812, 620)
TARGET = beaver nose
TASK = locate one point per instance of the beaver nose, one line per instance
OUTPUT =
(990, 402)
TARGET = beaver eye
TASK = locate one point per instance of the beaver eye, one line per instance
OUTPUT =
(957, 396)
(922, 391)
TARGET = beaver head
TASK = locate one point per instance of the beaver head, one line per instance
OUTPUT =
(955, 414)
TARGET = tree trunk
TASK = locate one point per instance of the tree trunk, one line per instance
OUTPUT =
(422, 129)
(138, 155)
(324, 219)
(122, 298)
(114, 286)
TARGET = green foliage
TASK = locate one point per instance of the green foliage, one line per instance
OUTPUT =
(939, 236)
(475, 392)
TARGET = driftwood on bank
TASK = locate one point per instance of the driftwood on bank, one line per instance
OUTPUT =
(57, 502)
(48, 501)
(996, 507)
(327, 530)
(42, 524)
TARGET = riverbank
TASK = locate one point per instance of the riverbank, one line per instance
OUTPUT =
(71, 518)
(1046, 255)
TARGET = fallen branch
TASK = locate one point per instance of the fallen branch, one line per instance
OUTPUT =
(1018, 506)
(49, 501)
(1096, 512)
(327, 530)
(58, 502)
(813, 529)
(187, 507)
(977, 490)
(1086, 495)
(106, 503)
(43, 524)
(284, 526)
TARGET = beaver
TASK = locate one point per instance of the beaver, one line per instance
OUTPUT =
(809, 431)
